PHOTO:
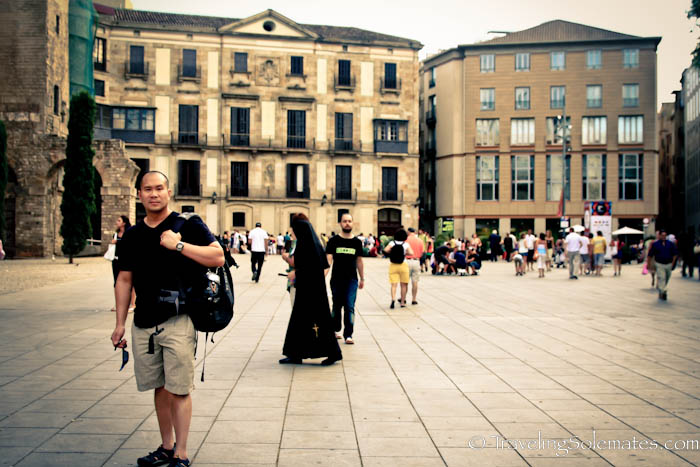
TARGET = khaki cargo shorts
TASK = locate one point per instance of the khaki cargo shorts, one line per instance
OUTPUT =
(414, 269)
(172, 364)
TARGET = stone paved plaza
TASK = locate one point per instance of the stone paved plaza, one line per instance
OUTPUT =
(480, 365)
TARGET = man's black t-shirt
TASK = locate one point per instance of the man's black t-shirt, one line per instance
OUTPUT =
(156, 268)
(345, 252)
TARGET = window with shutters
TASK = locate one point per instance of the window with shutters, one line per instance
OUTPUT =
(344, 75)
(297, 180)
(390, 81)
(189, 63)
(297, 66)
(240, 62)
(390, 184)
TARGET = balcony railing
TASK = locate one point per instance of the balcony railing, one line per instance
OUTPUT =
(298, 194)
(431, 83)
(189, 73)
(296, 142)
(237, 191)
(594, 103)
(488, 105)
(188, 137)
(100, 66)
(389, 196)
(344, 83)
(135, 70)
(343, 144)
(556, 103)
(265, 193)
(397, 147)
(390, 85)
(430, 118)
(240, 139)
(344, 194)
(188, 190)
(630, 102)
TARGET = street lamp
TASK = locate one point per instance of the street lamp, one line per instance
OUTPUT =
(563, 126)
(213, 198)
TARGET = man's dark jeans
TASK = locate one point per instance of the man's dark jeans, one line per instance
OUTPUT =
(256, 262)
(344, 295)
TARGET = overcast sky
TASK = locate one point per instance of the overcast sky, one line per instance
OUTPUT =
(442, 24)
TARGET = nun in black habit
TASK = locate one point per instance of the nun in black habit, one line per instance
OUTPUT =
(310, 332)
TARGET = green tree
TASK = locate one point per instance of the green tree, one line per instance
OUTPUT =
(78, 186)
(694, 13)
(3, 178)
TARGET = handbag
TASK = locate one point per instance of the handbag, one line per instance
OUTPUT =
(110, 255)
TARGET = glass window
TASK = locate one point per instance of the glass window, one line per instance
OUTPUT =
(343, 131)
(522, 131)
(488, 98)
(297, 66)
(297, 180)
(594, 96)
(188, 182)
(431, 83)
(488, 63)
(189, 124)
(240, 62)
(238, 219)
(630, 95)
(522, 178)
(390, 76)
(136, 65)
(593, 176)
(487, 132)
(522, 62)
(487, 178)
(344, 78)
(343, 182)
(630, 58)
(390, 183)
(119, 118)
(522, 98)
(594, 130)
(630, 129)
(594, 59)
(189, 63)
(56, 99)
(239, 179)
(554, 131)
(296, 128)
(558, 60)
(99, 87)
(630, 176)
(100, 54)
(557, 96)
(240, 126)
(554, 174)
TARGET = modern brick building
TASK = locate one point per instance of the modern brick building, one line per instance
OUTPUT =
(257, 118)
(490, 155)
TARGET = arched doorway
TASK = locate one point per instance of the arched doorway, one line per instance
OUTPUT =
(389, 220)
(9, 244)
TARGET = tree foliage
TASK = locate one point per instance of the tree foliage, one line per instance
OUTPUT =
(78, 180)
(694, 13)
(3, 178)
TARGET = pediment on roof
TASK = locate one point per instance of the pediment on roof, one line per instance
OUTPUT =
(268, 23)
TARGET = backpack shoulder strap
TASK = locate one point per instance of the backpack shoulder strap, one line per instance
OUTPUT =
(181, 219)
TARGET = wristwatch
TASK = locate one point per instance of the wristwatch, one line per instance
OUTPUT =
(179, 247)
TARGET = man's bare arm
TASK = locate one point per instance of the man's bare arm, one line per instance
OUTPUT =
(122, 296)
(211, 255)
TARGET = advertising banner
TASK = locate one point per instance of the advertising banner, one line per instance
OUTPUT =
(601, 220)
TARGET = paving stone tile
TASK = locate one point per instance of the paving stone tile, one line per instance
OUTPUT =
(390, 429)
(222, 453)
(318, 423)
(245, 432)
(318, 408)
(319, 457)
(68, 459)
(103, 426)
(37, 420)
(83, 443)
(402, 461)
(466, 457)
(318, 440)
(400, 447)
(251, 413)
(197, 424)
(24, 437)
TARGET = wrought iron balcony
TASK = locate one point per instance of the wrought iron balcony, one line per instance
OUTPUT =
(343, 144)
(240, 139)
(189, 73)
(135, 70)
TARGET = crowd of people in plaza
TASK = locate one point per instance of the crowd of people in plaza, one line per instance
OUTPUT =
(158, 260)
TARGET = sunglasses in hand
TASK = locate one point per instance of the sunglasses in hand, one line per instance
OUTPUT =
(125, 355)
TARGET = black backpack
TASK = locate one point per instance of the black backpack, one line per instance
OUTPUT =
(397, 253)
(209, 302)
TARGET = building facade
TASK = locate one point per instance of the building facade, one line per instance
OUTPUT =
(691, 109)
(256, 119)
(488, 129)
(671, 165)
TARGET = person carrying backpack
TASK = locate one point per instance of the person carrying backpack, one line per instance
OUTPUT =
(158, 259)
(397, 250)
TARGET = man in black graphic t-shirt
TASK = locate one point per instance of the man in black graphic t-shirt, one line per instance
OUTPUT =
(344, 252)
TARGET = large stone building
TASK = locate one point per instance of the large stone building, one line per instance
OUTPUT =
(491, 156)
(255, 119)
(691, 108)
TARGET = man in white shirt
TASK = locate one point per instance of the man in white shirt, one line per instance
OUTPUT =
(280, 244)
(584, 252)
(530, 243)
(572, 247)
(258, 239)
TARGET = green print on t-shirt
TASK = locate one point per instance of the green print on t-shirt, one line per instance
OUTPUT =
(345, 251)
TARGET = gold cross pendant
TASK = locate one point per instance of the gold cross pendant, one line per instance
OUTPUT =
(315, 328)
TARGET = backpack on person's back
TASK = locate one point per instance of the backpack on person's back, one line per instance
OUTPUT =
(397, 253)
